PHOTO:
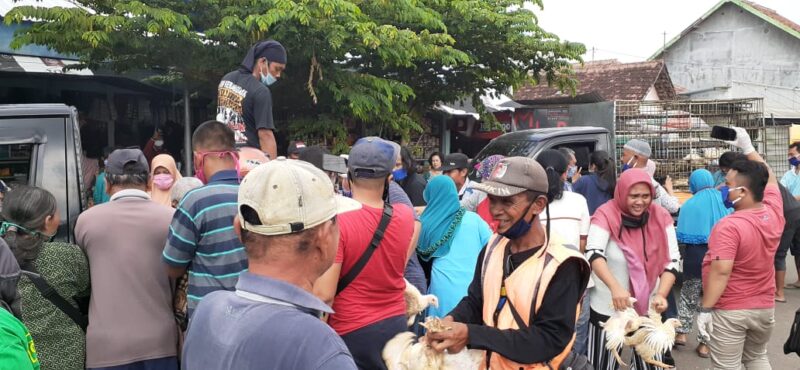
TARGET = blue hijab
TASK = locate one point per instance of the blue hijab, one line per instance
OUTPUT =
(441, 218)
(702, 211)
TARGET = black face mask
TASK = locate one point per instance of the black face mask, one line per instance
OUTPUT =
(635, 223)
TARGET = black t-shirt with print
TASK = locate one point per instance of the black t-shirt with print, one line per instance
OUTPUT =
(245, 105)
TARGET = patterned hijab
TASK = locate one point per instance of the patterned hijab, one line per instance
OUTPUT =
(486, 166)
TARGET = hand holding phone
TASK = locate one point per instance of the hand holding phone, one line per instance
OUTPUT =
(723, 133)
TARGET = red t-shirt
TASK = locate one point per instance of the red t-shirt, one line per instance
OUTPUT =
(377, 292)
(749, 238)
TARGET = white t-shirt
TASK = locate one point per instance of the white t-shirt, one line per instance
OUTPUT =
(599, 242)
(569, 218)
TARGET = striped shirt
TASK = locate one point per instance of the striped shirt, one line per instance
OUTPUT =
(201, 237)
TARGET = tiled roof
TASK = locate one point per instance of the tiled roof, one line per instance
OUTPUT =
(606, 80)
(768, 15)
(774, 15)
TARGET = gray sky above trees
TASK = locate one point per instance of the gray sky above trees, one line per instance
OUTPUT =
(632, 30)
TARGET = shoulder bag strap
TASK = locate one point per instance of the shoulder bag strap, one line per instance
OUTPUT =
(373, 245)
(57, 300)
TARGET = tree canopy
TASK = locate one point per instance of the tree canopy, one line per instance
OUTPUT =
(379, 62)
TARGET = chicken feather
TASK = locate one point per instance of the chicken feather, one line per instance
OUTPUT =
(416, 302)
(405, 352)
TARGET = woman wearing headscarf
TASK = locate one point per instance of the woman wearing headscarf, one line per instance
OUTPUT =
(698, 216)
(163, 176)
(634, 253)
(449, 243)
(30, 218)
(477, 201)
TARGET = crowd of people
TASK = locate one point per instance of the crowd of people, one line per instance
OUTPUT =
(301, 262)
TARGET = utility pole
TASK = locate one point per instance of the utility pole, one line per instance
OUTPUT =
(592, 53)
(187, 132)
(664, 45)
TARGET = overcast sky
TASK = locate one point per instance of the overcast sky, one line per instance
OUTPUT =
(632, 30)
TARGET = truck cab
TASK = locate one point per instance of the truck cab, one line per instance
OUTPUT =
(529, 143)
(40, 146)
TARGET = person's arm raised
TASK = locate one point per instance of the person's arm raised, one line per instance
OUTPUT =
(743, 142)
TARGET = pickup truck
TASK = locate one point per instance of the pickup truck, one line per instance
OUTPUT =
(40, 146)
(529, 143)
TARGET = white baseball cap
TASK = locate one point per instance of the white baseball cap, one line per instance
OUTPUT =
(290, 196)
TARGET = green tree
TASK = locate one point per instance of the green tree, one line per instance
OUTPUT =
(382, 63)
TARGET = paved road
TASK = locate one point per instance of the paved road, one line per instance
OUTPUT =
(686, 359)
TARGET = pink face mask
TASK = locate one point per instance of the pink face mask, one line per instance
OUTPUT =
(163, 181)
(198, 165)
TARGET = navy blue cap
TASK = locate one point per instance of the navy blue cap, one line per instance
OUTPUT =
(371, 158)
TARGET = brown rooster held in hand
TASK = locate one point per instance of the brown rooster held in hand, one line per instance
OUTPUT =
(416, 302)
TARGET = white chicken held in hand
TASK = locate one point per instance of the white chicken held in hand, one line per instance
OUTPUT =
(618, 326)
(416, 302)
(654, 338)
(403, 352)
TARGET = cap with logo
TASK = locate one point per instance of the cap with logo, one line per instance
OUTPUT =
(515, 175)
(289, 196)
(455, 161)
(371, 158)
(118, 159)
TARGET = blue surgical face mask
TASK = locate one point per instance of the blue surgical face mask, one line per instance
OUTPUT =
(520, 228)
(628, 166)
(399, 175)
(571, 171)
(267, 79)
(794, 162)
(725, 191)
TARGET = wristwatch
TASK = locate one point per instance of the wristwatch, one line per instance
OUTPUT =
(702, 309)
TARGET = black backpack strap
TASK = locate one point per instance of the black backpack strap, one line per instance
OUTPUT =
(517, 317)
(57, 300)
(373, 245)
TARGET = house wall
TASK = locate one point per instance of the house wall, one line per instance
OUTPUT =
(735, 54)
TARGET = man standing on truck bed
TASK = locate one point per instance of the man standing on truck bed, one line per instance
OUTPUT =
(245, 101)
(635, 154)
